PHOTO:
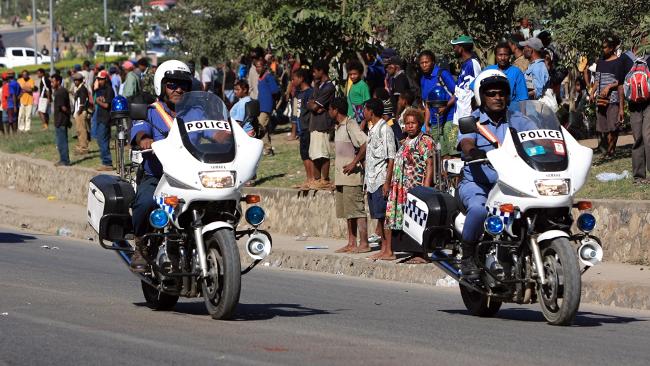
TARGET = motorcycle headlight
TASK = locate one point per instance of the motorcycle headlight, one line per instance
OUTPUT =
(586, 222)
(158, 218)
(255, 215)
(553, 187)
(494, 225)
(217, 179)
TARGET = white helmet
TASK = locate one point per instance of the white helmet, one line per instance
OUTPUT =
(172, 69)
(490, 77)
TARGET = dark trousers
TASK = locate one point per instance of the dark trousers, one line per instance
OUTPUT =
(640, 122)
(104, 142)
(143, 204)
(61, 134)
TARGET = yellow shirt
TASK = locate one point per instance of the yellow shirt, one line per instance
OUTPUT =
(25, 97)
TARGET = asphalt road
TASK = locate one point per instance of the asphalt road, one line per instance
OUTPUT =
(78, 304)
(17, 37)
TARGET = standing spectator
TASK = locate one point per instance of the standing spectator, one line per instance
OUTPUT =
(537, 77)
(89, 75)
(80, 114)
(116, 80)
(196, 83)
(639, 114)
(45, 96)
(208, 73)
(380, 155)
(320, 125)
(358, 92)
(147, 72)
(103, 97)
(469, 69)
(229, 78)
(238, 111)
(398, 82)
(525, 28)
(3, 105)
(608, 94)
(413, 167)
(518, 91)
(132, 85)
(350, 147)
(406, 99)
(376, 73)
(12, 100)
(61, 111)
(253, 76)
(437, 120)
(518, 51)
(302, 85)
(26, 101)
(268, 93)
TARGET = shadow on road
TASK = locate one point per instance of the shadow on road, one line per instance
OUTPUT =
(583, 319)
(248, 312)
(11, 238)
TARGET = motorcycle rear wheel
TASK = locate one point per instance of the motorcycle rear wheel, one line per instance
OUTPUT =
(158, 300)
(222, 287)
(477, 304)
(560, 296)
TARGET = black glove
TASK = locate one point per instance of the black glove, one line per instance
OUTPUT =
(476, 154)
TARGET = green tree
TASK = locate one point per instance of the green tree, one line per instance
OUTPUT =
(84, 18)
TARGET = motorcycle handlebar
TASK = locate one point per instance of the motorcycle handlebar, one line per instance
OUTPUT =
(477, 161)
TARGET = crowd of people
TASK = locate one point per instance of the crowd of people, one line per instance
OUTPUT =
(386, 116)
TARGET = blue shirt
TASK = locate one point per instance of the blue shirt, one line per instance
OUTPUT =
(238, 113)
(14, 90)
(537, 76)
(484, 173)
(158, 131)
(428, 82)
(266, 87)
(518, 91)
(116, 82)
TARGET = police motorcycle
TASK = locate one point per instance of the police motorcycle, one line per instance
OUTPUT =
(529, 252)
(193, 234)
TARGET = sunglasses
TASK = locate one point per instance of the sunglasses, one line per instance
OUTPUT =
(174, 86)
(494, 93)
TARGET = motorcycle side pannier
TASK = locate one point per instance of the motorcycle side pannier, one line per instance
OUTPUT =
(428, 217)
(109, 200)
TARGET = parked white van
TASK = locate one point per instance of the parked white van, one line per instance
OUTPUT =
(22, 56)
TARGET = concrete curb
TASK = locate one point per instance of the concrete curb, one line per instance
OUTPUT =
(609, 293)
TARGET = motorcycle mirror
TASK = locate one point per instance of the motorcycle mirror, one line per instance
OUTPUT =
(467, 124)
(138, 111)
(251, 110)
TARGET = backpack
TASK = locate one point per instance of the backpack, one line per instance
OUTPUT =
(637, 82)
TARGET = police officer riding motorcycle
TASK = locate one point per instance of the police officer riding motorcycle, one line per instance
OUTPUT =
(171, 80)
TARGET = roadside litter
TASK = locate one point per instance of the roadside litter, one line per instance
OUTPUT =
(63, 231)
(313, 247)
(610, 177)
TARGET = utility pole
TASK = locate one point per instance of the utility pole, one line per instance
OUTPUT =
(35, 43)
(105, 16)
(51, 38)
(144, 25)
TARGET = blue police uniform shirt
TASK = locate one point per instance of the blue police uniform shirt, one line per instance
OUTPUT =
(266, 87)
(151, 164)
(518, 91)
(428, 82)
(484, 173)
(538, 74)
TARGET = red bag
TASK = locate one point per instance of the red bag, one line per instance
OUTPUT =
(637, 82)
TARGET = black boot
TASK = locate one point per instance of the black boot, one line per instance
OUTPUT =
(468, 267)
(138, 261)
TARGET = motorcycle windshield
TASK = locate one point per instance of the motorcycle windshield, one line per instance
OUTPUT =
(204, 127)
(538, 137)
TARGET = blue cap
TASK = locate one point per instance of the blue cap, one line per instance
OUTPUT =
(77, 67)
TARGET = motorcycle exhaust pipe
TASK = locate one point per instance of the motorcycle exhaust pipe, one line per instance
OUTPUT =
(590, 252)
(258, 246)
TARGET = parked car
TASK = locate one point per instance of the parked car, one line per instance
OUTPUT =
(109, 48)
(22, 56)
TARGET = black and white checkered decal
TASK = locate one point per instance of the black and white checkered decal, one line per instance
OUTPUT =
(416, 213)
(505, 216)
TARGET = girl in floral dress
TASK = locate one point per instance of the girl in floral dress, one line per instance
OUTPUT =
(413, 167)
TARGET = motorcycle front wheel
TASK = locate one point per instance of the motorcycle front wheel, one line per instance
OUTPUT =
(222, 287)
(560, 295)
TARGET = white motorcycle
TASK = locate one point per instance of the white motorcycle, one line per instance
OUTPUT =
(192, 247)
(528, 252)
